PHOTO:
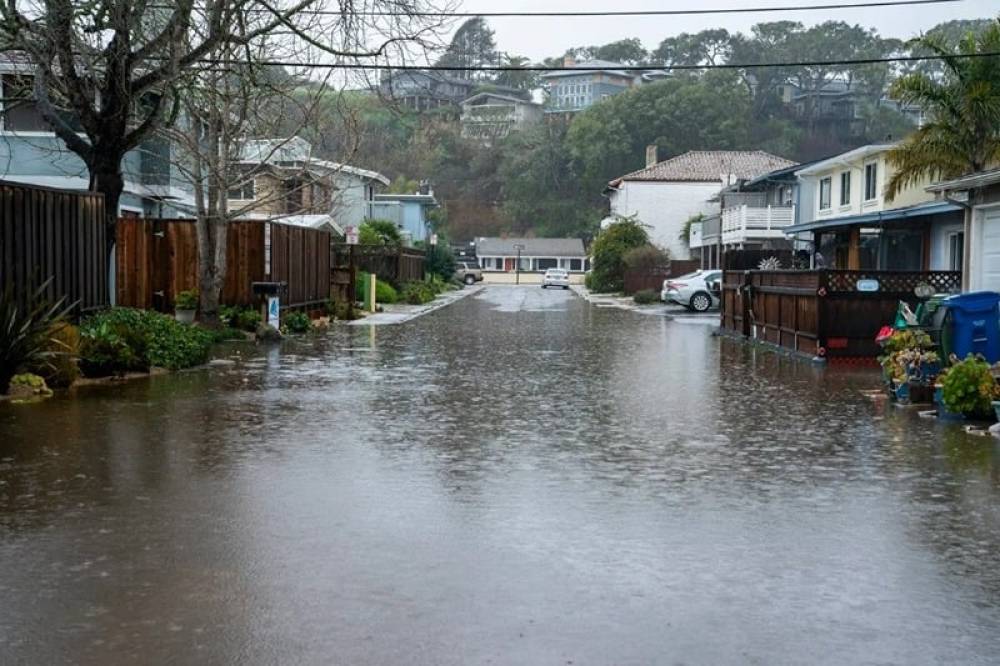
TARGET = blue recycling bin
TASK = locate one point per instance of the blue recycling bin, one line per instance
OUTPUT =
(975, 324)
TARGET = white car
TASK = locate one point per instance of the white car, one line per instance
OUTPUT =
(555, 277)
(692, 290)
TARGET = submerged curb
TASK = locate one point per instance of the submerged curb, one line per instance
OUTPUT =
(399, 317)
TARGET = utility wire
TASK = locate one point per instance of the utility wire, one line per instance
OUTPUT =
(581, 70)
(638, 12)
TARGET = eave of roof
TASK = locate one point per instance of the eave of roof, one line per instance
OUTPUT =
(844, 158)
(920, 210)
(970, 181)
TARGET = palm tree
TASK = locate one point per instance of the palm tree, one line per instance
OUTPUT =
(962, 132)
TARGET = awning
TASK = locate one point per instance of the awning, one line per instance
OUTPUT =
(920, 210)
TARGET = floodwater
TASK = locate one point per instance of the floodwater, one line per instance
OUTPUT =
(519, 478)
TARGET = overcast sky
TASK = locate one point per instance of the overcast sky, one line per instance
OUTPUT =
(538, 38)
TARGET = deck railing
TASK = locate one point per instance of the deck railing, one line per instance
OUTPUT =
(750, 223)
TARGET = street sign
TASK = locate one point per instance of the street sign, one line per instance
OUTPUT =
(352, 235)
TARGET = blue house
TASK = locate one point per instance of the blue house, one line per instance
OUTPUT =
(30, 152)
(408, 211)
(570, 90)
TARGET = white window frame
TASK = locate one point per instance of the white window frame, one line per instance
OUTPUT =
(828, 181)
(845, 177)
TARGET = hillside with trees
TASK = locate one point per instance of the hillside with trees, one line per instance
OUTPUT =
(548, 180)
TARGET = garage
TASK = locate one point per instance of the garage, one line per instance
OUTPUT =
(988, 266)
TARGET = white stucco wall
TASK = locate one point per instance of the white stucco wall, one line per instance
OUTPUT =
(665, 207)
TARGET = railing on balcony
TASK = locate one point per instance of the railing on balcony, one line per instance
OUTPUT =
(747, 224)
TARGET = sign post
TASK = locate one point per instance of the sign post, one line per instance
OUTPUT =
(274, 312)
(517, 266)
(351, 234)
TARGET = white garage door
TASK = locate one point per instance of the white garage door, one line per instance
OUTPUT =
(989, 252)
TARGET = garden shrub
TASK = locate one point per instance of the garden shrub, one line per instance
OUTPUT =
(187, 300)
(418, 293)
(60, 369)
(385, 293)
(440, 261)
(969, 388)
(295, 322)
(608, 254)
(124, 339)
(646, 258)
(646, 297)
(24, 330)
(247, 319)
(379, 232)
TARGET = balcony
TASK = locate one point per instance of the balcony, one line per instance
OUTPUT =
(753, 224)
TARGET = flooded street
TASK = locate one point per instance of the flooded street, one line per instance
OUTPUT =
(518, 478)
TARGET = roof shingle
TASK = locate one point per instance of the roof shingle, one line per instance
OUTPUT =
(710, 166)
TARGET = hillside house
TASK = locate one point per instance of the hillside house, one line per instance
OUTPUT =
(572, 90)
(666, 194)
(490, 116)
(410, 213)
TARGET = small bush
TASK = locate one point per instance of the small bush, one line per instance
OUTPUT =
(646, 297)
(247, 319)
(187, 300)
(418, 293)
(646, 258)
(296, 322)
(969, 388)
(345, 311)
(120, 340)
(24, 331)
(60, 369)
(385, 293)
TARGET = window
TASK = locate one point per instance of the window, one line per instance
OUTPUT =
(871, 181)
(956, 250)
(575, 265)
(244, 191)
(824, 193)
(20, 111)
(845, 188)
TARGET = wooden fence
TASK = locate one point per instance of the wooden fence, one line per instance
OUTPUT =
(396, 265)
(826, 313)
(53, 234)
(638, 280)
(157, 259)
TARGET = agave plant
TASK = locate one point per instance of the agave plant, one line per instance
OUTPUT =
(962, 132)
(769, 264)
(25, 330)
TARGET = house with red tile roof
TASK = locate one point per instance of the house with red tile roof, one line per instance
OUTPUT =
(666, 194)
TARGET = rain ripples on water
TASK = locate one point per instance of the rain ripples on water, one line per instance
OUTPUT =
(517, 478)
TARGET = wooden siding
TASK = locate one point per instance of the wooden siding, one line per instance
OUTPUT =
(395, 265)
(53, 234)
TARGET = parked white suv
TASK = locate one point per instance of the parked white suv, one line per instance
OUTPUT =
(555, 277)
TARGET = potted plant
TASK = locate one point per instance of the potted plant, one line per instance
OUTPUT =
(185, 306)
(969, 388)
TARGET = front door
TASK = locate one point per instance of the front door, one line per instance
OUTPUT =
(508, 264)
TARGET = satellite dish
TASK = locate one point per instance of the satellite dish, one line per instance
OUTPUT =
(923, 290)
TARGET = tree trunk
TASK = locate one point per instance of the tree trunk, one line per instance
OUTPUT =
(212, 240)
(106, 178)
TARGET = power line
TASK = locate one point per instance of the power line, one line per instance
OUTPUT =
(583, 70)
(638, 12)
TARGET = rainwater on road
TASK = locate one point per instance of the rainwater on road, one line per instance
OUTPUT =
(518, 478)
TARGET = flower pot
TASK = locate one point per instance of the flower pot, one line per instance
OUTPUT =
(184, 316)
(902, 390)
(942, 411)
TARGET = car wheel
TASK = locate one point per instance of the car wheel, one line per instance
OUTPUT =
(470, 279)
(543, 286)
(565, 286)
(701, 302)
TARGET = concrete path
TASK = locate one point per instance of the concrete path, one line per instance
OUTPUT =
(398, 313)
(669, 310)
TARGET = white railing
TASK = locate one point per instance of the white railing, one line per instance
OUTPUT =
(747, 224)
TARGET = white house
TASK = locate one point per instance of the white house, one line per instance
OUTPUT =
(666, 194)
(979, 195)
(854, 225)
(535, 254)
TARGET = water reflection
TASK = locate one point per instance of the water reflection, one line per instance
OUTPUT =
(518, 478)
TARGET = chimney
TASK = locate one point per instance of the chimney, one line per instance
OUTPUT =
(569, 61)
(651, 158)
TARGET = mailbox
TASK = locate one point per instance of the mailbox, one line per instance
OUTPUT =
(264, 289)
